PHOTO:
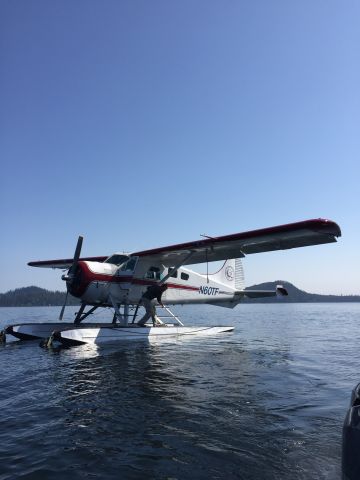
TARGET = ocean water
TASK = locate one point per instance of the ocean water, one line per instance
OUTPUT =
(265, 402)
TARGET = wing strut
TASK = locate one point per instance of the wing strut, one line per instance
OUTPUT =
(172, 270)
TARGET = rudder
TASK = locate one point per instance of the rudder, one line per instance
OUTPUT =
(231, 274)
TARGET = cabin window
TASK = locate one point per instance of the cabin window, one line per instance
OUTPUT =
(117, 259)
(184, 276)
(153, 273)
(174, 274)
(129, 266)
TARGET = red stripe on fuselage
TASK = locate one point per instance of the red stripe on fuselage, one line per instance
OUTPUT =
(88, 276)
(138, 281)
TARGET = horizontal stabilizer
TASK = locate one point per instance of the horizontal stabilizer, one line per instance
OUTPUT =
(280, 291)
(240, 294)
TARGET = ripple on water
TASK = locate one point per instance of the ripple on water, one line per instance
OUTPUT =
(265, 402)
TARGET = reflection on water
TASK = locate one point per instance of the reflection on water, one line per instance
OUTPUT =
(266, 402)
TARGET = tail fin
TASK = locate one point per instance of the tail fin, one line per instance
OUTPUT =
(231, 274)
(239, 275)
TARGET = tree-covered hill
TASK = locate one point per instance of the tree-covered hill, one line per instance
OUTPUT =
(34, 297)
(296, 295)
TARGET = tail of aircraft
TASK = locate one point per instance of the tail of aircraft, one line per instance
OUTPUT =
(239, 275)
(231, 274)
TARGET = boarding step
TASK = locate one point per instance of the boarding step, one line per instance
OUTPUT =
(161, 316)
(171, 315)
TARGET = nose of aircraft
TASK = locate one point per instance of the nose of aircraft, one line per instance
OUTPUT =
(76, 282)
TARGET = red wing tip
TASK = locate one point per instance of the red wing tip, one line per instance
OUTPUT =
(336, 230)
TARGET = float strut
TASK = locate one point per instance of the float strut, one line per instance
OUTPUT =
(135, 313)
(80, 316)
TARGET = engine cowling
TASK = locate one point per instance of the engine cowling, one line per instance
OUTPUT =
(94, 274)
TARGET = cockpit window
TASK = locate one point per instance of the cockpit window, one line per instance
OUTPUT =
(117, 259)
(130, 265)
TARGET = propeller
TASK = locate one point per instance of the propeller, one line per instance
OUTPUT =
(70, 275)
(63, 307)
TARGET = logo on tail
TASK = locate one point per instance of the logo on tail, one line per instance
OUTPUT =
(229, 273)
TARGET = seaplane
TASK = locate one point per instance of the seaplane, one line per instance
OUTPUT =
(118, 281)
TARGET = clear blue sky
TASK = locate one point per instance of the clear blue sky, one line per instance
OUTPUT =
(144, 123)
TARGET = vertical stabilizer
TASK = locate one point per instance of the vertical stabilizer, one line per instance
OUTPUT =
(231, 274)
(239, 275)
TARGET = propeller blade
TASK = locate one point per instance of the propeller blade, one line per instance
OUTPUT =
(76, 255)
(69, 277)
(63, 307)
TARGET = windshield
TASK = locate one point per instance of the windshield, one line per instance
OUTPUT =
(130, 265)
(117, 259)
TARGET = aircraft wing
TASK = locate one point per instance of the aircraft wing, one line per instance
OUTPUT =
(63, 264)
(282, 237)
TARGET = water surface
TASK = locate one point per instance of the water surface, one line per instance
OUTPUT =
(266, 401)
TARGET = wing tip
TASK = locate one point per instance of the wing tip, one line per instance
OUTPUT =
(326, 224)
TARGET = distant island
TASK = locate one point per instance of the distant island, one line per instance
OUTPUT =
(296, 295)
(35, 297)
(40, 297)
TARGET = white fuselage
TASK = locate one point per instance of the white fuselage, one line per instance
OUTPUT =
(184, 286)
